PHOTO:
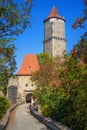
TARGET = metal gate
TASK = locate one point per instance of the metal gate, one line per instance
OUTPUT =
(12, 94)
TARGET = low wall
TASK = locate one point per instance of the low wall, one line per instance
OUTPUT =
(4, 121)
(53, 125)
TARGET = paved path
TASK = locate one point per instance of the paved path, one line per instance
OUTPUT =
(21, 119)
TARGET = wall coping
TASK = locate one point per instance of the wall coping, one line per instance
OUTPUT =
(53, 125)
(5, 119)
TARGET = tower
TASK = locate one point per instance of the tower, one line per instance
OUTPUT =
(54, 34)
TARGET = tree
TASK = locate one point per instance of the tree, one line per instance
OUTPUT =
(65, 99)
(81, 20)
(47, 75)
(43, 58)
(7, 64)
(79, 51)
(14, 19)
(44, 75)
(74, 85)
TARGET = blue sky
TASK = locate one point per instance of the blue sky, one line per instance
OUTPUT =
(31, 41)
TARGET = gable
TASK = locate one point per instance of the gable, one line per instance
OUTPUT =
(29, 65)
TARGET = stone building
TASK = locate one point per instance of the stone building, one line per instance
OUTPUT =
(20, 88)
(54, 34)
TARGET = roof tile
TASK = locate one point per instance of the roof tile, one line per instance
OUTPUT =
(54, 13)
(29, 65)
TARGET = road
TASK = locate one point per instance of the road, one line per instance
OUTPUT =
(21, 119)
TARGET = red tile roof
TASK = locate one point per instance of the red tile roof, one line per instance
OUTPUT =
(54, 14)
(29, 65)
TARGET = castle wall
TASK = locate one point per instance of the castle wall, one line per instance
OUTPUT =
(24, 86)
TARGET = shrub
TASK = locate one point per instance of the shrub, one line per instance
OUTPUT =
(4, 105)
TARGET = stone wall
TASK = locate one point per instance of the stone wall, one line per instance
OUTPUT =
(54, 37)
(4, 121)
(24, 86)
(53, 125)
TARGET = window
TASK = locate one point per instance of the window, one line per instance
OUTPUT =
(26, 84)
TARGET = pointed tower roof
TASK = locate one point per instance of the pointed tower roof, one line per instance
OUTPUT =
(29, 65)
(54, 14)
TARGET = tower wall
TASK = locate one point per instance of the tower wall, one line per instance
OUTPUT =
(54, 36)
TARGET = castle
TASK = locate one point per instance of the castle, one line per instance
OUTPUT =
(20, 88)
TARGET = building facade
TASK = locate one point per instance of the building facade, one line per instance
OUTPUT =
(20, 87)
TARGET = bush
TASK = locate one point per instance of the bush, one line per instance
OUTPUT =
(64, 99)
(4, 105)
(54, 104)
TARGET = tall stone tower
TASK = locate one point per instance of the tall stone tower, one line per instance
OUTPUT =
(54, 34)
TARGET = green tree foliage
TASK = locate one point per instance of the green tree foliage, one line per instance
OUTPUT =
(52, 101)
(43, 58)
(81, 20)
(63, 97)
(15, 17)
(80, 50)
(75, 86)
(4, 105)
(48, 73)
(7, 64)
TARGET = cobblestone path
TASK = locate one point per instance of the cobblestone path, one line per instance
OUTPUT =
(21, 119)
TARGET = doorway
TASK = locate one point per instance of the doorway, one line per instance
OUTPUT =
(28, 97)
